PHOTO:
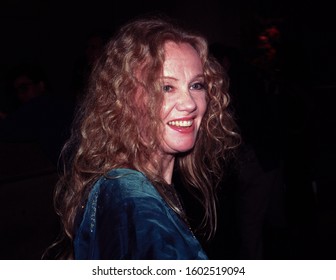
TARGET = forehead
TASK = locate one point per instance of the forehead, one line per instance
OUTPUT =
(181, 55)
(173, 50)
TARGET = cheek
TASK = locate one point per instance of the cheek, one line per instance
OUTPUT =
(202, 105)
(166, 109)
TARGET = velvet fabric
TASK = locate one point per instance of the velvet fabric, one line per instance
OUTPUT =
(126, 218)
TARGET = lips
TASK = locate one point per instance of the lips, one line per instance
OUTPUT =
(182, 125)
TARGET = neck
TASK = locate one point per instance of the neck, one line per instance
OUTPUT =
(167, 165)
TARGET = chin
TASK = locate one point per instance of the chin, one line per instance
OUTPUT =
(183, 148)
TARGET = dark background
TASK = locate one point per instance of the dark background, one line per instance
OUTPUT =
(53, 34)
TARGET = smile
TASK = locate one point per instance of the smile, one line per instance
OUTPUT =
(183, 123)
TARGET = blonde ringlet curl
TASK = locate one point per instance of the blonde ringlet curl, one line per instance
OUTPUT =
(118, 122)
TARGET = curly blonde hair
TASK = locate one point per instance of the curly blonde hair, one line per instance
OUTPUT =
(109, 126)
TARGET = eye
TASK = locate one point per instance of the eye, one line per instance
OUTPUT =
(167, 88)
(198, 86)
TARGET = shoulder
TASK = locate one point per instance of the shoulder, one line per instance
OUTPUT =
(118, 196)
(124, 184)
(124, 209)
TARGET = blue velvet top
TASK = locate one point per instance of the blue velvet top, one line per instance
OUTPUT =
(126, 218)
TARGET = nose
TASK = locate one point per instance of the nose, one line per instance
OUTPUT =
(186, 102)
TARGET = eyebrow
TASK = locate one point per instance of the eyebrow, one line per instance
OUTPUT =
(172, 78)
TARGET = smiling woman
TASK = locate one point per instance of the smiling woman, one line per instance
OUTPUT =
(184, 102)
(155, 102)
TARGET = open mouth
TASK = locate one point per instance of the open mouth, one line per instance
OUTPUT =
(181, 124)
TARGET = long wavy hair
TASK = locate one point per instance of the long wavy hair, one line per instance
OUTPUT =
(118, 122)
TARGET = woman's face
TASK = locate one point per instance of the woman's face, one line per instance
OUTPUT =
(185, 101)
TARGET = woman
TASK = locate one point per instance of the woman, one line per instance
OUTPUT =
(155, 102)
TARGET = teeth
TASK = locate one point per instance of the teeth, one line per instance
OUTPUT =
(180, 123)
